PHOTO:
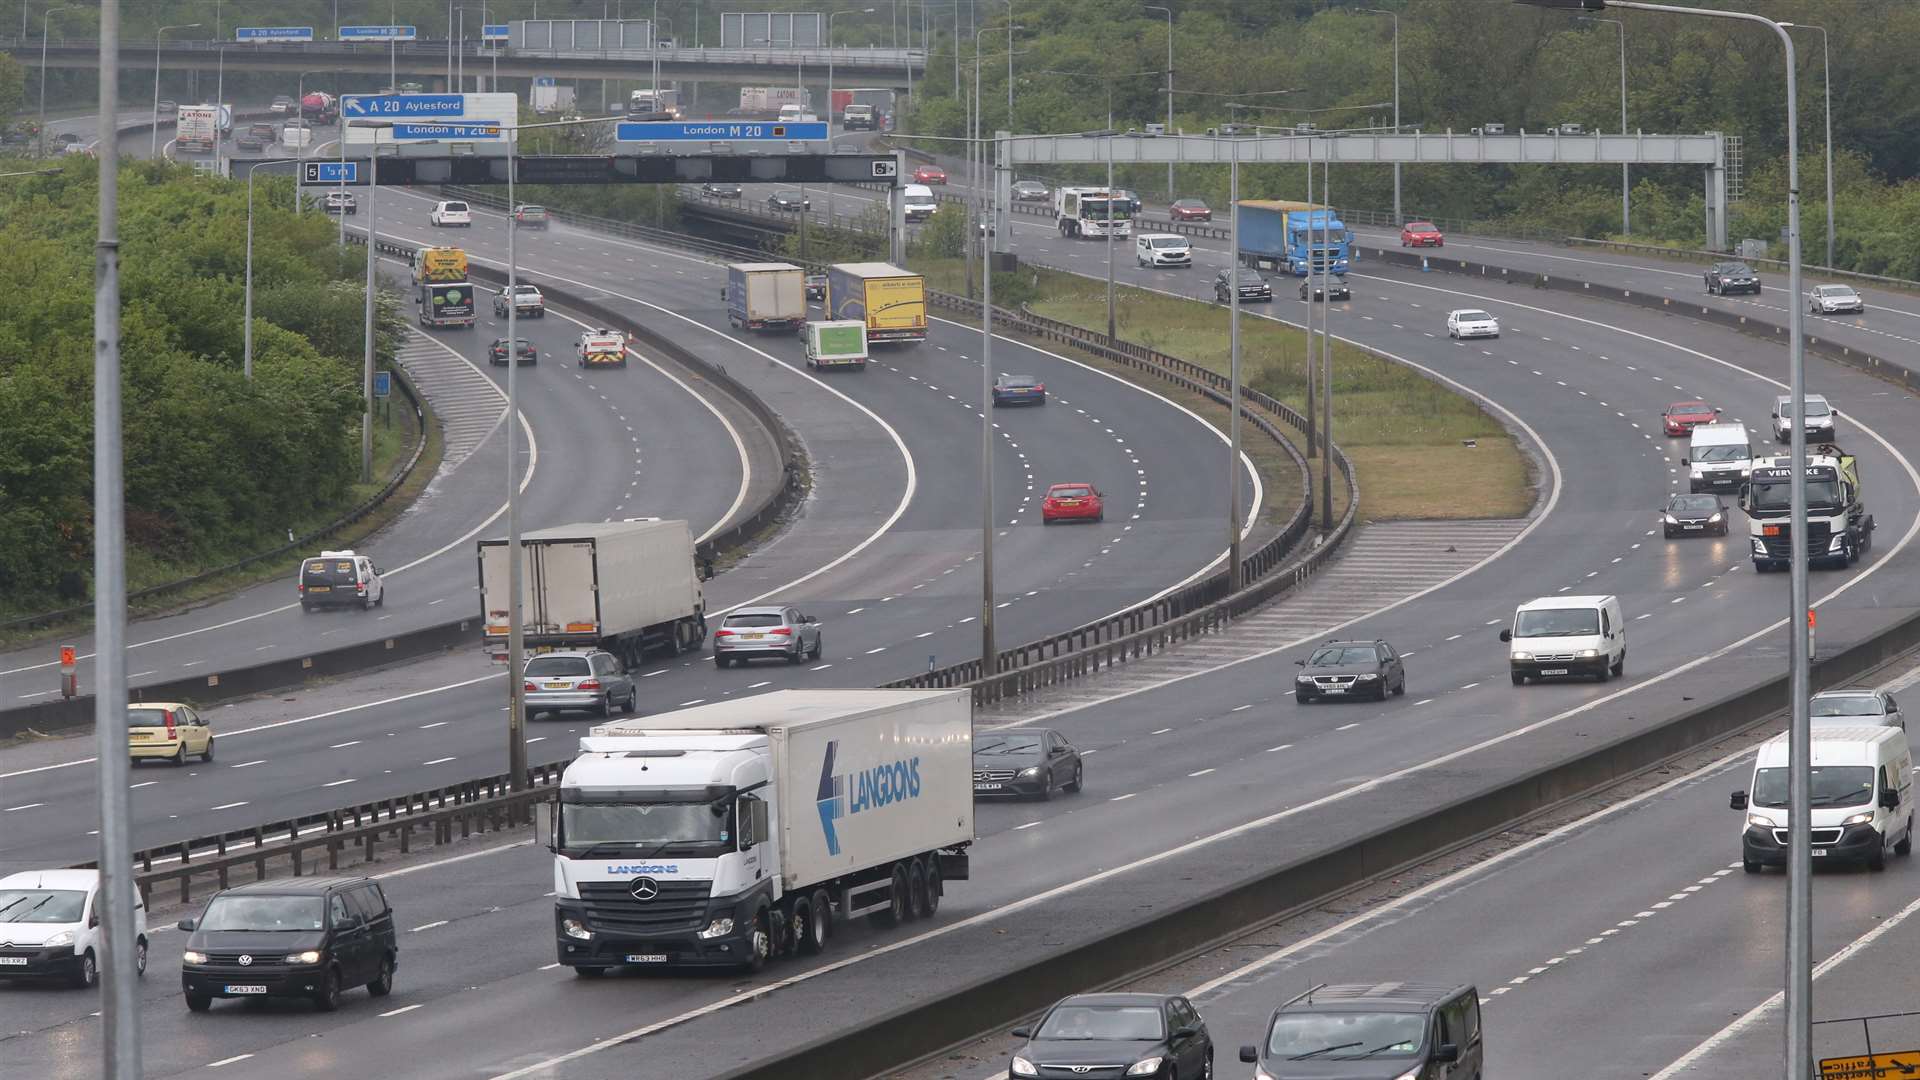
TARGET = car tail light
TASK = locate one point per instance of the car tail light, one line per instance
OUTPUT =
(528, 687)
(361, 587)
(302, 586)
(783, 631)
(587, 684)
(723, 633)
(1040, 388)
(173, 733)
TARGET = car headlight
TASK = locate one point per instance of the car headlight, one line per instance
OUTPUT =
(1023, 1067)
(1670, 520)
(717, 928)
(1145, 1067)
(311, 956)
(1587, 654)
(192, 957)
(1858, 819)
(1835, 545)
(1715, 518)
(1029, 773)
(1759, 546)
(1761, 821)
(64, 937)
(1303, 678)
(574, 928)
(1522, 655)
(1368, 677)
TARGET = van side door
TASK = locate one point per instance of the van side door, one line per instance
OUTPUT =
(349, 934)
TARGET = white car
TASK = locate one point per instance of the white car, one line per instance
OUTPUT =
(1471, 322)
(1828, 299)
(50, 926)
(450, 213)
(1162, 249)
(1819, 418)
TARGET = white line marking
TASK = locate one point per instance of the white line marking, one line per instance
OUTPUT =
(428, 926)
(406, 1008)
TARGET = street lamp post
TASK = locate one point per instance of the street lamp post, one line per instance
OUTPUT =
(832, 208)
(1169, 13)
(1395, 16)
(1626, 219)
(989, 654)
(50, 13)
(246, 332)
(1233, 369)
(1826, 97)
(153, 150)
(1326, 344)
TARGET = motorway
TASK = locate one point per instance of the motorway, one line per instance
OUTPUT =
(1217, 771)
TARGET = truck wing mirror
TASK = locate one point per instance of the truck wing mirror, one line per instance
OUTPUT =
(1506, 635)
(1738, 800)
(1890, 799)
(543, 824)
(1684, 461)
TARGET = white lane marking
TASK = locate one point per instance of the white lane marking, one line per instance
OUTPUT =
(24, 806)
(438, 761)
(428, 926)
(229, 806)
(405, 1009)
(1202, 772)
(337, 783)
(228, 1061)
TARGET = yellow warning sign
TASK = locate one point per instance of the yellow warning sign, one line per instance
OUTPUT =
(1876, 1067)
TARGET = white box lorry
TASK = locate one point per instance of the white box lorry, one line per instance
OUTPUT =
(726, 834)
(837, 343)
(196, 127)
(629, 587)
(766, 296)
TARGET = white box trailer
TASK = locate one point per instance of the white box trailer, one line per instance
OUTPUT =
(765, 296)
(724, 833)
(628, 587)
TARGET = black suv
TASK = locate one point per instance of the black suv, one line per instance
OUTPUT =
(1252, 285)
(497, 352)
(308, 937)
(1374, 1032)
(1732, 277)
(1348, 669)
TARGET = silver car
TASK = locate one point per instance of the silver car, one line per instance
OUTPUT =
(780, 630)
(585, 681)
(1860, 707)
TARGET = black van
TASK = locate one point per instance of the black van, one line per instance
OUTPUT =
(1374, 1031)
(308, 937)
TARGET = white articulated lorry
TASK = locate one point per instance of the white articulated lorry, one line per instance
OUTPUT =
(730, 833)
(629, 587)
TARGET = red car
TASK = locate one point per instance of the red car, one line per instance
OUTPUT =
(1072, 502)
(929, 174)
(1190, 210)
(1421, 234)
(1682, 416)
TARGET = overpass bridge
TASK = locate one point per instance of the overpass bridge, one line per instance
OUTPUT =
(893, 68)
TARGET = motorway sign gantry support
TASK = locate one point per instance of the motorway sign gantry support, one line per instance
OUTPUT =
(640, 169)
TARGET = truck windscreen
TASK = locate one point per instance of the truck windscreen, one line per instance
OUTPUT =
(1776, 495)
(1735, 452)
(587, 825)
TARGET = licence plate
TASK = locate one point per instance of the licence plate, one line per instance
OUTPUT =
(1553, 671)
(13, 961)
(1819, 851)
(1693, 526)
(141, 736)
(988, 787)
(1333, 690)
(246, 989)
(319, 588)
(559, 686)
(646, 958)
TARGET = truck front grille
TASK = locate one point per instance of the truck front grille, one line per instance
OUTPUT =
(678, 906)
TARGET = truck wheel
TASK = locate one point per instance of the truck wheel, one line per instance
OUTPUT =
(934, 885)
(917, 891)
(813, 920)
(759, 941)
(896, 912)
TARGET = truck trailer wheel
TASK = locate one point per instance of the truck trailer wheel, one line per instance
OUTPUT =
(819, 923)
(898, 911)
(934, 885)
(917, 906)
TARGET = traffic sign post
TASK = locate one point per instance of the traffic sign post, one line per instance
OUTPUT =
(418, 132)
(720, 131)
(1811, 651)
(69, 679)
(378, 33)
(403, 106)
(331, 173)
(382, 384)
(496, 33)
(246, 34)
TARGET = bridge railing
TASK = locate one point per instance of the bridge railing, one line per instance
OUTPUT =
(854, 57)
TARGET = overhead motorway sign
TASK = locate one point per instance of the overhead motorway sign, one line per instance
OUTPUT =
(495, 33)
(720, 131)
(330, 172)
(378, 33)
(404, 106)
(273, 33)
(415, 132)
(1871, 1066)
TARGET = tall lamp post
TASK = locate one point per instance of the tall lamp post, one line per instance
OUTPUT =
(989, 653)
(1799, 965)
(1395, 16)
(50, 13)
(1168, 12)
(246, 332)
(153, 150)
(832, 209)
(1626, 188)
(1826, 96)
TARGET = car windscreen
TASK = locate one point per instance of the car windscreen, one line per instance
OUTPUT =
(1846, 705)
(1833, 785)
(1002, 745)
(1018, 380)
(268, 913)
(1422, 226)
(1168, 242)
(328, 571)
(1345, 656)
(1687, 408)
(1736, 452)
(769, 618)
(457, 207)
(147, 718)
(1557, 622)
(1342, 1035)
(41, 905)
(1473, 316)
(1134, 1023)
(1069, 493)
(558, 665)
(1701, 503)
(533, 211)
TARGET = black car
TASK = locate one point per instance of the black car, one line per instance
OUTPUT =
(1732, 277)
(1019, 390)
(1348, 669)
(1687, 514)
(1252, 285)
(1028, 191)
(1030, 761)
(719, 190)
(1151, 1036)
(1336, 288)
(816, 286)
(303, 937)
(791, 201)
(497, 353)
(1373, 1032)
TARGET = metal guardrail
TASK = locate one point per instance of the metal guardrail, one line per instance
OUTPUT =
(854, 57)
(1697, 256)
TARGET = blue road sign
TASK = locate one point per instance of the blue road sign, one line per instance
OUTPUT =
(273, 33)
(382, 383)
(721, 131)
(446, 131)
(495, 33)
(446, 106)
(378, 33)
(331, 172)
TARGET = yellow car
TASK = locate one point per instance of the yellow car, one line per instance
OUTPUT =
(167, 730)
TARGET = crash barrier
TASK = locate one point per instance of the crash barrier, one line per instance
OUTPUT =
(1691, 255)
(207, 687)
(887, 1043)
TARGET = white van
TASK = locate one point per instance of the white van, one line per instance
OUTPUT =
(917, 201)
(1719, 457)
(1862, 796)
(1162, 249)
(50, 923)
(1557, 636)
